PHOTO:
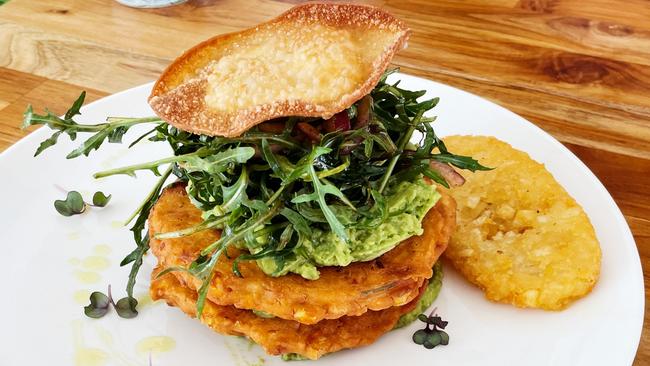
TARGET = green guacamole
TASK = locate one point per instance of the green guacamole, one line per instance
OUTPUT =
(428, 297)
(407, 203)
(263, 314)
(293, 357)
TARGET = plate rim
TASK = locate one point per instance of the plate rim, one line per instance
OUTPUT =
(609, 200)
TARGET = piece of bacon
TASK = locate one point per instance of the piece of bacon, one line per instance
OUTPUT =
(451, 176)
(338, 122)
(272, 126)
(363, 112)
(310, 131)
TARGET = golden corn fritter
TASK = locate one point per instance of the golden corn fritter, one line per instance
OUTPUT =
(390, 280)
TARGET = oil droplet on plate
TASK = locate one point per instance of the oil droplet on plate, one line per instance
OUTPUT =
(102, 249)
(117, 224)
(105, 336)
(236, 346)
(90, 357)
(144, 300)
(155, 344)
(87, 277)
(81, 297)
(86, 356)
(74, 261)
(73, 235)
(95, 263)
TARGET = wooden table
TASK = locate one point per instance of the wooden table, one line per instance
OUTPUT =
(579, 69)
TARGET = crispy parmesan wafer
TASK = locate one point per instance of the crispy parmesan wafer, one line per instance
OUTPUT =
(314, 60)
(390, 280)
(521, 237)
(279, 336)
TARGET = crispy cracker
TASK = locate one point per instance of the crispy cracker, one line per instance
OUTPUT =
(314, 61)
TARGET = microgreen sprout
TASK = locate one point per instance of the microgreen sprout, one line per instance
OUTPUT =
(100, 199)
(100, 304)
(432, 335)
(74, 204)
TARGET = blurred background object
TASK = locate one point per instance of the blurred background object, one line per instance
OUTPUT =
(149, 3)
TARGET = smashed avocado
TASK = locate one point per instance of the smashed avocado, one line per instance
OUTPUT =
(406, 205)
(428, 297)
(293, 357)
(263, 314)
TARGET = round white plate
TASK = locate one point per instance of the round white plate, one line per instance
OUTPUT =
(51, 262)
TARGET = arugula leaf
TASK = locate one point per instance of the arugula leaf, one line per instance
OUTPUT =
(299, 223)
(233, 196)
(278, 251)
(462, 162)
(320, 190)
(213, 222)
(401, 144)
(76, 106)
(51, 141)
(217, 163)
(272, 160)
(112, 130)
(151, 166)
(203, 294)
(203, 266)
(435, 176)
(138, 229)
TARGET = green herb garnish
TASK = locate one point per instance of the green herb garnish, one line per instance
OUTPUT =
(269, 189)
(432, 335)
(100, 304)
(74, 203)
(112, 130)
(126, 307)
(100, 199)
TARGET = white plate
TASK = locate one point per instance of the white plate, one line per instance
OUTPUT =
(44, 255)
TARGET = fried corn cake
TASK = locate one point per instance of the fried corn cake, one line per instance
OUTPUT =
(280, 336)
(391, 280)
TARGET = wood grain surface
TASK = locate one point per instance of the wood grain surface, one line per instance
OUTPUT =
(579, 69)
